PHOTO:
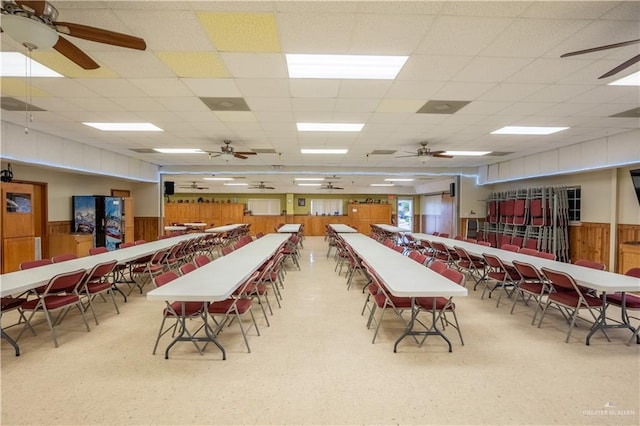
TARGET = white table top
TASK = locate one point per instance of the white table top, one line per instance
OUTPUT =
(390, 228)
(21, 281)
(290, 227)
(196, 224)
(224, 228)
(218, 279)
(603, 281)
(341, 228)
(403, 277)
(175, 228)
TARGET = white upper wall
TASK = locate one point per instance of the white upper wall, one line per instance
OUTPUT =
(43, 149)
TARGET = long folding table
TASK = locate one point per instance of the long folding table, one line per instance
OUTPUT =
(603, 282)
(289, 228)
(341, 228)
(216, 281)
(405, 278)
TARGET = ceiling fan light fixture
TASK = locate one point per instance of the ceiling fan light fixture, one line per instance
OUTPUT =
(630, 80)
(28, 32)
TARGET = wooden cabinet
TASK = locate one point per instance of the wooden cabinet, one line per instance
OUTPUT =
(78, 244)
(129, 222)
(18, 230)
(629, 256)
(210, 213)
(362, 216)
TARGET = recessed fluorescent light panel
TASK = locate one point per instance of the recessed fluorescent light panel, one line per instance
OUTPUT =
(345, 66)
(323, 151)
(236, 184)
(329, 127)
(469, 153)
(527, 130)
(309, 179)
(179, 150)
(630, 80)
(399, 180)
(14, 64)
(309, 184)
(382, 184)
(220, 178)
(125, 127)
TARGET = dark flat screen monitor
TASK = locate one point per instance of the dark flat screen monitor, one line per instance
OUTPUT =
(635, 178)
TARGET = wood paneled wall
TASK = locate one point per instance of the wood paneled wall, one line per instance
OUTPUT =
(626, 233)
(59, 227)
(590, 241)
(146, 228)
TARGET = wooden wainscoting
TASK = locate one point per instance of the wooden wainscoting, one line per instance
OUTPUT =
(59, 227)
(590, 241)
(627, 233)
(146, 227)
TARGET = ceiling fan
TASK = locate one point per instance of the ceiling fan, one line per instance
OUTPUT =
(227, 151)
(261, 185)
(423, 151)
(329, 186)
(194, 185)
(617, 69)
(33, 24)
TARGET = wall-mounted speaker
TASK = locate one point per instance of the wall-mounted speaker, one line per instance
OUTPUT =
(168, 188)
(452, 189)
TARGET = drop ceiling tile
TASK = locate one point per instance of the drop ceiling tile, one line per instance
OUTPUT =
(313, 104)
(184, 103)
(263, 88)
(274, 116)
(510, 92)
(557, 93)
(472, 8)
(470, 36)
(546, 71)
(300, 31)
(17, 87)
(364, 88)
(600, 94)
(482, 107)
(528, 108)
(241, 32)
(235, 116)
(314, 88)
(413, 89)
(390, 117)
(64, 66)
(599, 33)
(138, 104)
(213, 87)
(431, 67)
(356, 105)
(388, 34)
(269, 104)
(161, 87)
(490, 69)
(134, 64)
(462, 91)
(166, 30)
(568, 10)
(255, 65)
(315, 115)
(194, 64)
(95, 104)
(626, 10)
(111, 87)
(399, 105)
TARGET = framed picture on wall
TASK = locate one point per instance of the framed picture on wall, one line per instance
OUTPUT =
(301, 202)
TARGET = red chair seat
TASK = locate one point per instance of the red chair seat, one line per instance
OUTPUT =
(631, 301)
(569, 298)
(190, 308)
(535, 288)
(52, 302)
(427, 303)
(398, 302)
(97, 287)
(242, 306)
(9, 303)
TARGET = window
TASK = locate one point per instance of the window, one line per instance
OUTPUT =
(264, 206)
(327, 207)
(574, 203)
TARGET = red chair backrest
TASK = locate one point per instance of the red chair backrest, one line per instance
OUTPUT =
(186, 268)
(63, 257)
(165, 278)
(35, 263)
(65, 281)
(527, 270)
(418, 257)
(444, 235)
(97, 250)
(559, 279)
(125, 245)
(438, 266)
(455, 276)
(138, 242)
(201, 260)
(101, 269)
(492, 261)
(528, 251)
(484, 243)
(510, 247)
(226, 250)
(633, 272)
(545, 255)
(399, 249)
(591, 264)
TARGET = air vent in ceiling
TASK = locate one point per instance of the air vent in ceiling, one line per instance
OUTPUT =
(226, 104)
(383, 152)
(632, 113)
(442, 107)
(13, 104)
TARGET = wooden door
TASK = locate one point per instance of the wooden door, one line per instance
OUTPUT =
(18, 229)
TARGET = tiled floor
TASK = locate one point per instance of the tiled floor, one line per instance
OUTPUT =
(316, 365)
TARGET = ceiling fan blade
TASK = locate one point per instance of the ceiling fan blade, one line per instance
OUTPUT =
(99, 35)
(599, 48)
(410, 152)
(620, 67)
(37, 6)
(438, 155)
(269, 187)
(337, 187)
(74, 54)
(238, 155)
(246, 153)
(406, 156)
